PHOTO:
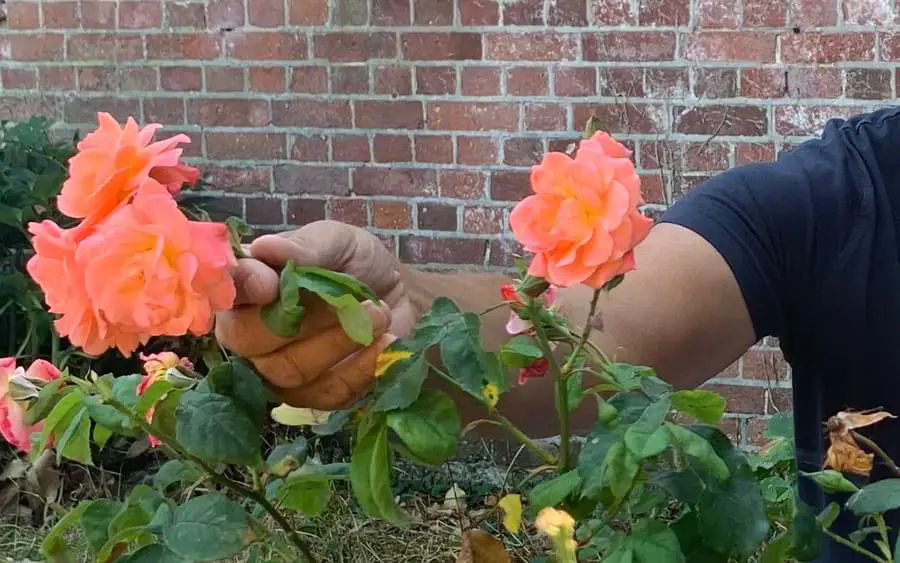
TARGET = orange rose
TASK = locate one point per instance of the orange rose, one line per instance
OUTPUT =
(113, 162)
(582, 222)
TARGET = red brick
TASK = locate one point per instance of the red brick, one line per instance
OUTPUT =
(225, 207)
(23, 15)
(388, 115)
(245, 146)
(745, 153)
(504, 252)
(180, 14)
(867, 12)
(105, 47)
(435, 80)
(224, 79)
(661, 154)
(630, 46)
(392, 148)
(266, 13)
(567, 13)
(393, 80)
(527, 81)
(715, 83)
(310, 148)
(60, 15)
(814, 13)
(479, 12)
(18, 78)
(437, 217)
(765, 364)
(628, 82)
(534, 46)
(394, 182)
(140, 15)
(264, 211)
(624, 118)
(510, 185)
(350, 12)
(353, 211)
(305, 210)
(482, 220)
(391, 215)
(225, 14)
(20, 108)
(40, 47)
(718, 13)
(664, 12)
(265, 45)
(267, 79)
(808, 120)
(96, 14)
(390, 12)
(653, 189)
(181, 78)
(703, 157)
(97, 78)
(763, 13)
(423, 250)
(440, 46)
(480, 81)
(182, 46)
(436, 149)
(667, 82)
(576, 81)
(523, 12)
(84, 110)
(351, 46)
(476, 150)
(868, 83)
(239, 113)
(309, 79)
(303, 179)
(165, 110)
(472, 116)
(721, 120)
(522, 151)
(56, 78)
(433, 12)
(137, 79)
(461, 184)
(350, 148)
(827, 47)
(308, 12)
(545, 117)
(890, 46)
(751, 400)
(236, 179)
(349, 80)
(312, 113)
(612, 12)
(763, 82)
(745, 46)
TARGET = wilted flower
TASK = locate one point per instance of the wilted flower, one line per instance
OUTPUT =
(844, 453)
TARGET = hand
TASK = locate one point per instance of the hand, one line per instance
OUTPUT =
(321, 368)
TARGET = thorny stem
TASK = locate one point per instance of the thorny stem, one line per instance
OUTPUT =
(855, 547)
(562, 397)
(545, 456)
(586, 332)
(878, 451)
(235, 486)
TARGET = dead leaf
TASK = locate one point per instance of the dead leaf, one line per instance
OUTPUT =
(851, 420)
(481, 547)
(844, 453)
(455, 499)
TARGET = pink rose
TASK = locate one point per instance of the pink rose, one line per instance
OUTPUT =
(12, 414)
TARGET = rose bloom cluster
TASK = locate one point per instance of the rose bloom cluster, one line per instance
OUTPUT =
(134, 267)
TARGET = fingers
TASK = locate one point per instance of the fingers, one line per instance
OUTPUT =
(256, 283)
(302, 361)
(326, 244)
(343, 384)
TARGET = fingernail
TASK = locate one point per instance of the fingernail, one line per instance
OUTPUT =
(381, 316)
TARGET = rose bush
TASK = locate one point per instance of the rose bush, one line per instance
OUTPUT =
(642, 488)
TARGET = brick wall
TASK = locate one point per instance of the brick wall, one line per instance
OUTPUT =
(419, 118)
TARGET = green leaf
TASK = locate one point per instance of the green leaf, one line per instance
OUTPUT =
(828, 515)
(155, 553)
(95, 522)
(354, 319)
(464, 358)
(591, 461)
(125, 391)
(287, 457)
(574, 390)
(370, 472)
(336, 422)
(592, 126)
(778, 550)
(59, 418)
(703, 405)
(47, 399)
(554, 491)
(282, 317)
(880, 496)
(151, 395)
(733, 517)
(699, 449)
(122, 539)
(831, 481)
(102, 435)
(642, 437)
(430, 427)
(401, 384)
(520, 352)
(208, 528)
(621, 468)
(213, 427)
(780, 425)
(165, 413)
(807, 534)
(307, 497)
(75, 443)
(654, 542)
(240, 382)
(54, 543)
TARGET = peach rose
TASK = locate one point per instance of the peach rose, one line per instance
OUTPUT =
(582, 223)
(156, 366)
(148, 271)
(114, 162)
(12, 414)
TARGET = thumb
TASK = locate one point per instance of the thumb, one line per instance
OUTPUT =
(255, 283)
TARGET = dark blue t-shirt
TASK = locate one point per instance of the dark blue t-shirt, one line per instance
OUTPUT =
(812, 240)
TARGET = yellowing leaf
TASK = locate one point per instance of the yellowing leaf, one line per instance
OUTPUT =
(512, 512)
(386, 359)
(852, 420)
(480, 547)
(295, 416)
(491, 395)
